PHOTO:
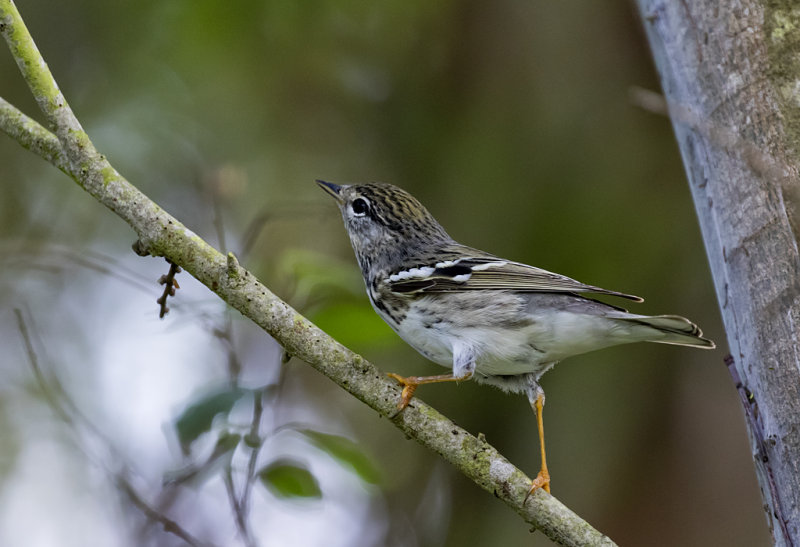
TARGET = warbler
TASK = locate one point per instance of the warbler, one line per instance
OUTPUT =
(489, 319)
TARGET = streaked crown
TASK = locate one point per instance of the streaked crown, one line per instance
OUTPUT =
(384, 222)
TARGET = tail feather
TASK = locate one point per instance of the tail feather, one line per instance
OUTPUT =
(671, 329)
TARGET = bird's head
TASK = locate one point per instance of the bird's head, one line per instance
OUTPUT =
(385, 223)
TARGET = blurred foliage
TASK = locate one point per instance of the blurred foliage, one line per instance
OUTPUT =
(331, 293)
(509, 120)
(290, 479)
(198, 417)
(212, 413)
(346, 452)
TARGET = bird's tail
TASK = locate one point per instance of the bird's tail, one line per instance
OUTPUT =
(669, 329)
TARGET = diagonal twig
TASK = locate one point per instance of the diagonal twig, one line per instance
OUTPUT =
(160, 234)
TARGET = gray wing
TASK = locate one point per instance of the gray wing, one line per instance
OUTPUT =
(489, 273)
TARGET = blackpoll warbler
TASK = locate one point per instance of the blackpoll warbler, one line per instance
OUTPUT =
(493, 320)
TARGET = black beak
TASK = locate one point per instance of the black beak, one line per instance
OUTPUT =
(331, 188)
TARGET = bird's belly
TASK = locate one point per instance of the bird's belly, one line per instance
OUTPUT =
(428, 340)
(499, 350)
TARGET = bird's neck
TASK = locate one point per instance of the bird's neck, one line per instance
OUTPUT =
(390, 256)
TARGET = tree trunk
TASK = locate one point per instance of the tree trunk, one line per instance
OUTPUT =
(731, 76)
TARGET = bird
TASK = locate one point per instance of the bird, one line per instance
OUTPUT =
(488, 319)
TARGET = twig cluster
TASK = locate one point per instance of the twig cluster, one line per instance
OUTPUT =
(170, 286)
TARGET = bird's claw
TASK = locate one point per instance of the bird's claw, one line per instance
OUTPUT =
(542, 480)
(409, 387)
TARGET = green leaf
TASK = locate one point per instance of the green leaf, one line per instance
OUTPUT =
(198, 417)
(346, 452)
(290, 479)
(227, 442)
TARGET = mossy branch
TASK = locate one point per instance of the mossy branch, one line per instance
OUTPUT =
(69, 148)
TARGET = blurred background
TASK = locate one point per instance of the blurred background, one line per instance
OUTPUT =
(510, 120)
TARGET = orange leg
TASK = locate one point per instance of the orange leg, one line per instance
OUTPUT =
(542, 480)
(410, 384)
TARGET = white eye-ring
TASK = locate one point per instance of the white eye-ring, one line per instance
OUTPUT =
(359, 207)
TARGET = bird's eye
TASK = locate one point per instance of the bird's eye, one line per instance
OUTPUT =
(359, 206)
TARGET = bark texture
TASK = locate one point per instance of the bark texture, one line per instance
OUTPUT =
(731, 75)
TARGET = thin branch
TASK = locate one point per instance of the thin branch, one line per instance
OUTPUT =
(225, 335)
(238, 511)
(167, 523)
(32, 136)
(254, 442)
(162, 235)
(33, 361)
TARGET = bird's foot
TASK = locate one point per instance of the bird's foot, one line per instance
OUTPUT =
(542, 480)
(409, 384)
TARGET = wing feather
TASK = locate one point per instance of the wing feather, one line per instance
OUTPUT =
(490, 273)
